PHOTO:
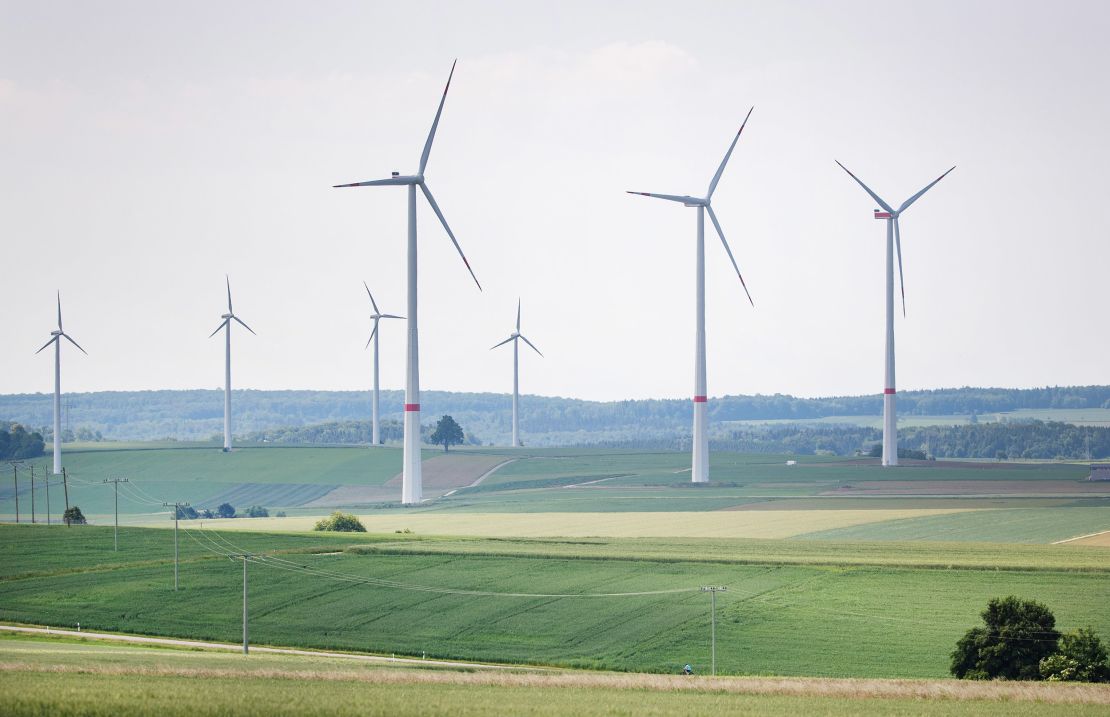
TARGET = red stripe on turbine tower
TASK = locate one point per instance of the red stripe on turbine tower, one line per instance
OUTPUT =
(700, 399)
(412, 406)
(888, 390)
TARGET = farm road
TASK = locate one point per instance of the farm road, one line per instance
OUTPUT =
(171, 642)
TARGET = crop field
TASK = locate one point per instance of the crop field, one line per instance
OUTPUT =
(1014, 525)
(68, 677)
(589, 492)
(720, 524)
(473, 600)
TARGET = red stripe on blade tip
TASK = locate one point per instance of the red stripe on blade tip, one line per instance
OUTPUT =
(700, 399)
(889, 391)
(412, 406)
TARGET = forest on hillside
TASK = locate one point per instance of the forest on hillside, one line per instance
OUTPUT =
(327, 416)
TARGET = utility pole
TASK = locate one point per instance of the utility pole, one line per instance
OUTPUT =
(65, 487)
(116, 482)
(176, 514)
(48, 497)
(713, 590)
(32, 493)
(15, 480)
(244, 556)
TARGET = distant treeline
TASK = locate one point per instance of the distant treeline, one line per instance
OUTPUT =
(1007, 441)
(17, 443)
(1010, 440)
(341, 433)
(198, 414)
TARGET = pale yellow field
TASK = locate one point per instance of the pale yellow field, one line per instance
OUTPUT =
(1101, 539)
(717, 524)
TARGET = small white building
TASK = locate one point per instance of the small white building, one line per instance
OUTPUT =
(1100, 471)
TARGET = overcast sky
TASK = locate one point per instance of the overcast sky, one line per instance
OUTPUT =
(148, 148)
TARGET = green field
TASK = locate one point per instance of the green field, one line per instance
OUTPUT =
(778, 617)
(593, 492)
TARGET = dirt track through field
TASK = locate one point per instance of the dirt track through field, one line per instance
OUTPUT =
(440, 474)
(223, 646)
(1100, 539)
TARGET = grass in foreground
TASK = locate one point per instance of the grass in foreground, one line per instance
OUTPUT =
(59, 677)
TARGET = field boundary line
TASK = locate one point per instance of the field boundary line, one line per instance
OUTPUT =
(202, 644)
(493, 470)
(1080, 537)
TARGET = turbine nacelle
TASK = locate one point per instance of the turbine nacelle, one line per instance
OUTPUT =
(891, 215)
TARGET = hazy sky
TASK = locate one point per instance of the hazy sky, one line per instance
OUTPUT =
(147, 148)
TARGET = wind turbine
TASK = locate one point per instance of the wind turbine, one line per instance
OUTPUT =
(893, 241)
(227, 319)
(516, 372)
(411, 484)
(377, 316)
(700, 466)
(56, 338)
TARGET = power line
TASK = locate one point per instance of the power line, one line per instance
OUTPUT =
(289, 565)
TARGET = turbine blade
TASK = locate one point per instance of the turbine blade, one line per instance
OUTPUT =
(518, 315)
(389, 316)
(218, 328)
(906, 204)
(47, 344)
(372, 302)
(229, 309)
(491, 348)
(75, 344)
(372, 333)
(59, 311)
(901, 278)
(435, 123)
(867, 189)
(717, 226)
(668, 197)
(374, 183)
(244, 325)
(721, 169)
(435, 208)
(530, 344)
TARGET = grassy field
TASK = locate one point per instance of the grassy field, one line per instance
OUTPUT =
(62, 677)
(778, 617)
(539, 480)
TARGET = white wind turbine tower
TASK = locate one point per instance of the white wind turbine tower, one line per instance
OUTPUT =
(516, 372)
(411, 484)
(56, 338)
(375, 431)
(893, 242)
(700, 466)
(226, 325)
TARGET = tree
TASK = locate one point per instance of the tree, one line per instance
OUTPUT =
(225, 510)
(16, 443)
(74, 516)
(447, 433)
(340, 522)
(1082, 658)
(1016, 636)
(187, 512)
(257, 511)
